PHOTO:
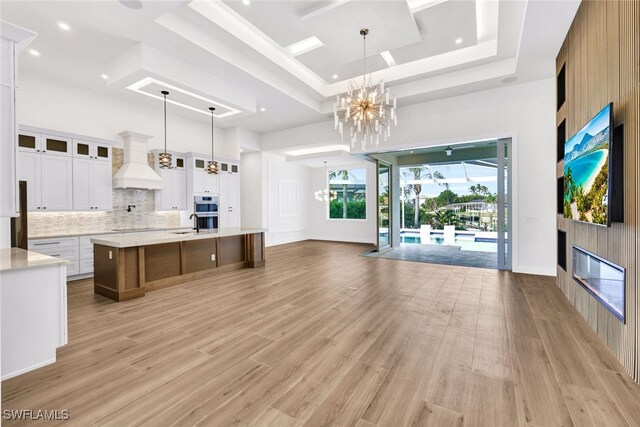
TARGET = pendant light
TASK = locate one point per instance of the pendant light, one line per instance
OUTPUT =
(212, 166)
(164, 159)
(325, 194)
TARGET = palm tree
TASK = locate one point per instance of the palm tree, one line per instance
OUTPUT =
(444, 217)
(344, 176)
(418, 174)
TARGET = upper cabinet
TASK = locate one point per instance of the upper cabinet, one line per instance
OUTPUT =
(64, 174)
(174, 194)
(202, 182)
(91, 150)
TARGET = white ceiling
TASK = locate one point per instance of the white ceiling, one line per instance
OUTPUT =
(235, 54)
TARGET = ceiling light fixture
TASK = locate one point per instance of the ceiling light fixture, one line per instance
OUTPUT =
(246, 2)
(367, 110)
(149, 81)
(164, 159)
(212, 165)
(34, 52)
(458, 41)
(386, 55)
(263, 109)
(131, 4)
(325, 194)
(104, 76)
(335, 76)
(304, 46)
(448, 150)
(64, 26)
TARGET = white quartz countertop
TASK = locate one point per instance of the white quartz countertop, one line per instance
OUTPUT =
(56, 235)
(154, 238)
(19, 259)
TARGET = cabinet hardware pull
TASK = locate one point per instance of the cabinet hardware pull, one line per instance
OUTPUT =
(46, 243)
(55, 255)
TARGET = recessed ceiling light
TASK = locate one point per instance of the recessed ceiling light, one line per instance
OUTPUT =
(386, 55)
(246, 2)
(458, 41)
(64, 26)
(304, 46)
(104, 76)
(131, 4)
(263, 109)
(335, 76)
(241, 150)
(34, 52)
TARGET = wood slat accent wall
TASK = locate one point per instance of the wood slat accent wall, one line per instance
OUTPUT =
(602, 58)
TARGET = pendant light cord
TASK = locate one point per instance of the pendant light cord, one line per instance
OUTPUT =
(212, 136)
(364, 60)
(165, 122)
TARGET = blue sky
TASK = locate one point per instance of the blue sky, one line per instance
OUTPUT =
(597, 124)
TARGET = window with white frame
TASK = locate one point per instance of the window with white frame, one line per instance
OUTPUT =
(350, 187)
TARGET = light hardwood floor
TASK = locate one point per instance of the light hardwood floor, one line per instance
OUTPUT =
(323, 336)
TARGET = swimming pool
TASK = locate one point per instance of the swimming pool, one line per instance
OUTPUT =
(466, 242)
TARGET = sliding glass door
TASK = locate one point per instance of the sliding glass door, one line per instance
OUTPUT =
(384, 206)
(504, 203)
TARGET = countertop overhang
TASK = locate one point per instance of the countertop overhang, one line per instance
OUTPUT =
(154, 238)
(20, 259)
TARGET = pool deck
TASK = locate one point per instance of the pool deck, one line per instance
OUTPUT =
(439, 254)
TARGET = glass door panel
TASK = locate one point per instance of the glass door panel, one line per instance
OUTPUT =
(384, 208)
(504, 204)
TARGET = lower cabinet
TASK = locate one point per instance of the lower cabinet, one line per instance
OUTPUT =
(65, 248)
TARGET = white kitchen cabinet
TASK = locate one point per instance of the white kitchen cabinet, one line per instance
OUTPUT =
(179, 191)
(64, 174)
(92, 184)
(229, 200)
(56, 183)
(174, 194)
(202, 183)
(29, 170)
(91, 150)
(49, 180)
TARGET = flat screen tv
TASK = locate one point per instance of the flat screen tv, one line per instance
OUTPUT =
(587, 171)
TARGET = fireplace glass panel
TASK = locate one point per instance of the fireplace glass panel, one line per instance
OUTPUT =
(602, 279)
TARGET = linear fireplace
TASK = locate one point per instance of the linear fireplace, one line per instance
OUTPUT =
(602, 279)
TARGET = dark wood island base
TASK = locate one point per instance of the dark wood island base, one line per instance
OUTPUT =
(124, 273)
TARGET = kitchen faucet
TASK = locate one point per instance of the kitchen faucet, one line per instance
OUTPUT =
(197, 227)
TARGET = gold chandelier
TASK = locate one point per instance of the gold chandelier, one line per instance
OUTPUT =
(366, 111)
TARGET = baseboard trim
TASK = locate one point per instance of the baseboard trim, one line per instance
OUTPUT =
(343, 239)
(530, 269)
(29, 369)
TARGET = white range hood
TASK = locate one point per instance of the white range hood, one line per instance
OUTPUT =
(135, 171)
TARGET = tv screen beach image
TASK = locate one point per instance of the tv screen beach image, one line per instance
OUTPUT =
(586, 171)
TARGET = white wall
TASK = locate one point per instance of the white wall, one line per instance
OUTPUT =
(53, 105)
(349, 230)
(275, 195)
(524, 112)
(287, 192)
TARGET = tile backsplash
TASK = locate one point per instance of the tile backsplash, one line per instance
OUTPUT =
(143, 216)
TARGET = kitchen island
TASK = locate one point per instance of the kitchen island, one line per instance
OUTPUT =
(126, 267)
